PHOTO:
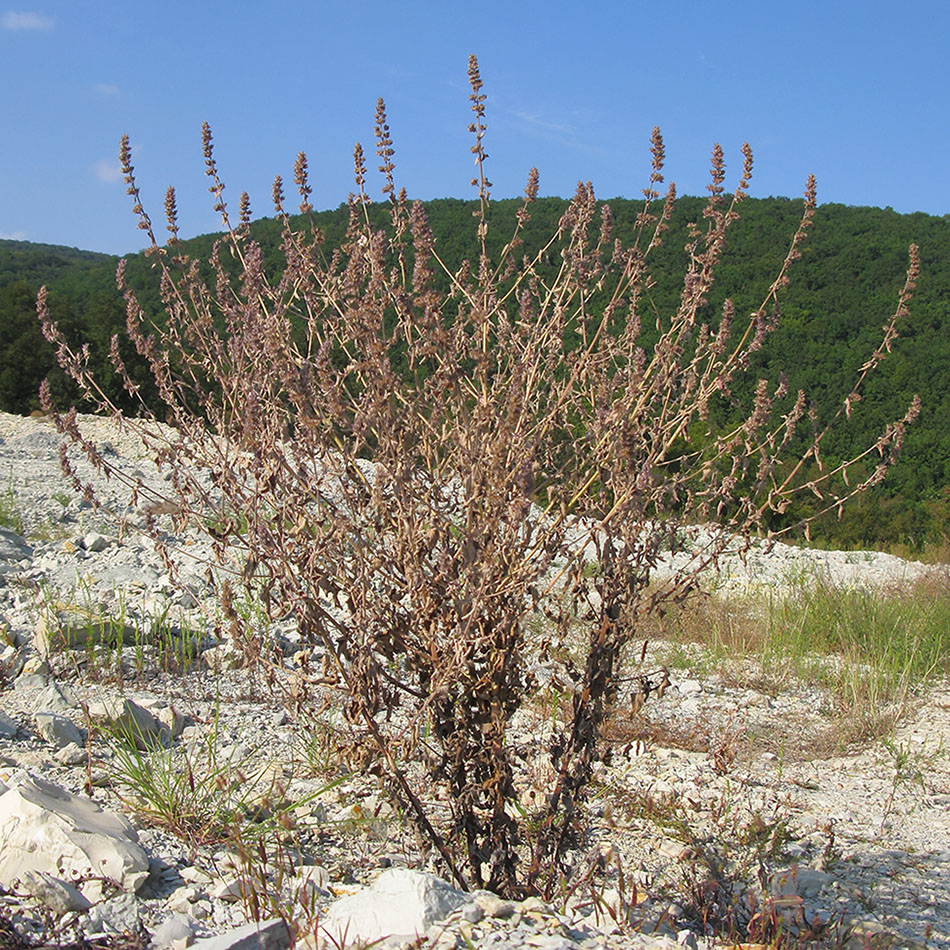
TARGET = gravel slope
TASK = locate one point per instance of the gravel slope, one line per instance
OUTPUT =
(868, 838)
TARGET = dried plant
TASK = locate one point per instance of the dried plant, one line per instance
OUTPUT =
(421, 462)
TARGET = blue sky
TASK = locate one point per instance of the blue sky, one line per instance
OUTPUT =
(856, 92)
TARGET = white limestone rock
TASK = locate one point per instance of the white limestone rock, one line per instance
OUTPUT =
(132, 721)
(402, 902)
(229, 889)
(71, 754)
(14, 551)
(168, 716)
(12, 658)
(8, 726)
(44, 828)
(266, 935)
(31, 663)
(799, 881)
(60, 731)
(26, 682)
(57, 698)
(118, 915)
(94, 542)
(54, 893)
(174, 933)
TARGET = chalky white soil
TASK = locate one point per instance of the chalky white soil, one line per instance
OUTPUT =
(867, 847)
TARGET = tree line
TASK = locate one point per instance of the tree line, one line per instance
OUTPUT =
(842, 291)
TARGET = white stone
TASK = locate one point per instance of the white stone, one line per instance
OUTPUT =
(168, 716)
(687, 939)
(494, 906)
(689, 687)
(315, 874)
(11, 661)
(202, 910)
(8, 726)
(229, 889)
(93, 541)
(70, 754)
(58, 698)
(309, 883)
(29, 681)
(401, 903)
(118, 915)
(96, 890)
(174, 932)
(58, 730)
(225, 656)
(267, 935)
(32, 664)
(195, 876)
(800, 881)
(181, 899)
(55, 894)
(45, 828)
(13, 550)
(131, 721)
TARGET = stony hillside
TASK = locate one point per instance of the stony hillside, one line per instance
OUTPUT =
(727, 794)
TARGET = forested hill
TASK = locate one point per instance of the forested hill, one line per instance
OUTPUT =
(842, 291)
(46, 263)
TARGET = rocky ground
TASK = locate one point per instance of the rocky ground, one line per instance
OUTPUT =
(720, 772)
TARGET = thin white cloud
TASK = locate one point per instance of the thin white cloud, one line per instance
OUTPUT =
(106, 89)
(107, 171)
(13, 235)
(26, 21)
(533, 119)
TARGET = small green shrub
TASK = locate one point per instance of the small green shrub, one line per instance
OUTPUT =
(109, 643)
(200, 793)
(10, 516)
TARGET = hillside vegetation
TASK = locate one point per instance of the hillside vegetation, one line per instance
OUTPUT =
(842, 291)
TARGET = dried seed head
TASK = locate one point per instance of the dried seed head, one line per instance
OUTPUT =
(746, 167)
(717, 171)
(171, 214)
(359, 166)
(606, 225)
(384, 148)
(658, 151)
(474, 78)
(300, 180)
(670, 201)
(811, 192)
(245, 209)
(913, 271)
(531, 190)
(125, 158)
(207, 149)
(278, 194)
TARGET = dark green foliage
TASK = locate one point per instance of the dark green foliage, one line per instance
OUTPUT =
(84, 301)
(25, 357)
(842, 291)
(48, 263)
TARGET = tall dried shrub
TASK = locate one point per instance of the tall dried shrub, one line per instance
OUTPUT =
(425, 476)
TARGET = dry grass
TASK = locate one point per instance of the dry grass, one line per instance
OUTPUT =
(870, 652)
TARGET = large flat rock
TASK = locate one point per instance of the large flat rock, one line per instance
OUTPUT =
(45, 829)
(401, 902)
